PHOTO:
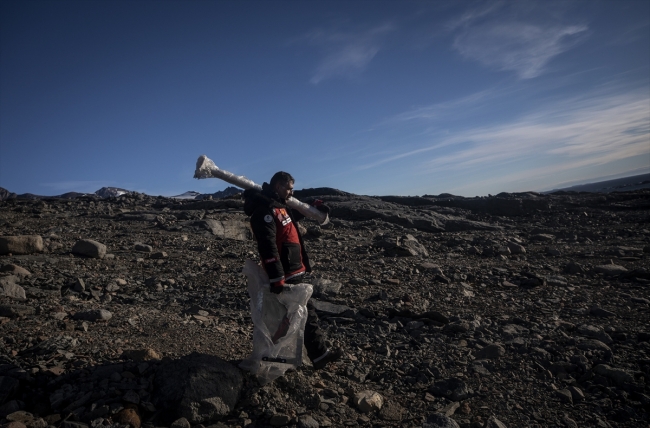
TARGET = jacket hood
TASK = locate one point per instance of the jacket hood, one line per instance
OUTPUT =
(265, 197)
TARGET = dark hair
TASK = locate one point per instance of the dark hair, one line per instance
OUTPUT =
(281, 177)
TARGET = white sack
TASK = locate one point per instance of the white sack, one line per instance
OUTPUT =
(278, 325)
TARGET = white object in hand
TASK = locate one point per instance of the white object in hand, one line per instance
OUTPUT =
(205, 168)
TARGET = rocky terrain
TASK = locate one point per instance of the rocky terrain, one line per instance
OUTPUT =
(514, 310)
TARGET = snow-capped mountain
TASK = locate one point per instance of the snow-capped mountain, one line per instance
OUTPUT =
(107, 192)
(191, 194)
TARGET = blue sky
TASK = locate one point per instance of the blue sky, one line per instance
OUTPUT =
(377, 98)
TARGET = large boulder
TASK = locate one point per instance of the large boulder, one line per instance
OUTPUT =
(21, 244)
(15, 270)
(438, 420)
(198, 387)
(360, 208)
(93, 315)
(9, 288)
(453, 389)
(610, 269)
(89, 248)
(368, 401)
(8, 386)
(13, 311)
(403, 246)
(226, 229)
(325, 287)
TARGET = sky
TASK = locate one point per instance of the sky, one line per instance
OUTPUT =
(369, 97)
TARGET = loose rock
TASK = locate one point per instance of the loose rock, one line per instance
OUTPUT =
(89, 248)
(21, 244)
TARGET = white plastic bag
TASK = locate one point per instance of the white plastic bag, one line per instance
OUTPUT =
(278, 325)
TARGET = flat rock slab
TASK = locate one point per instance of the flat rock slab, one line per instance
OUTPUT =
(619, 376)
(452, 388)
(12, 311)
(15, 270)
(198, 387)
(592, 345)
(610, 270)
(491, 352)
(325, 287)
(327, 308)
(93, 315)
(438, 420)
(8, 385)
(89, 248)
(594, 333)
(226, 229)
(9, 288)
(21, 244)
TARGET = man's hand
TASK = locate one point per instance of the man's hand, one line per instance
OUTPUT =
(277, 288)
(320, 206)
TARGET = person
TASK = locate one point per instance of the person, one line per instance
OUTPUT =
(283, 254)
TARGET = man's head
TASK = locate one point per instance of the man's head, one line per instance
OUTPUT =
(282, 184)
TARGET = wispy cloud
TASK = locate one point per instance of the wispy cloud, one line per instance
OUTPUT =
(473, 14)
(517, 36)
(592, 130)
(437, 111)
(346, 54)
(517, 46)
(602, 127)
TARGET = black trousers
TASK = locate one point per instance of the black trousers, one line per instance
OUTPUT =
(314, 337)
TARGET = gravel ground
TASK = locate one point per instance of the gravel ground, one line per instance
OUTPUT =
(539, 318)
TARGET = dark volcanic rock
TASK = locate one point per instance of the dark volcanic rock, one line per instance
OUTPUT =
(453, 389)
(503, 204)
(437, 420)
(15, 310)
(94, 315)
(198, 387)
(499, 317)
(89, 248)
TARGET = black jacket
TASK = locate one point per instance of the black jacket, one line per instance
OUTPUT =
(279, 242)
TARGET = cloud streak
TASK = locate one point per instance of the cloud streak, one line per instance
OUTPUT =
(521, 37)
(346, 54)
(600, 128)
(523, 48)
(592, 130)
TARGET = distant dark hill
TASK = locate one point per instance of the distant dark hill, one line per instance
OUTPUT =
(319, 191)
(30, 196)
(6, 194)
(107, 192)
(71, 195)
(635, 182)
(225, 193)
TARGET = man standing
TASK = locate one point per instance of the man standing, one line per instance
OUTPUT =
(283, 254)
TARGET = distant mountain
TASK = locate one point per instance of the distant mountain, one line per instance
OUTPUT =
(635, 182)
(6, 194)
(191, 194)
(108, 192)
(30, 196)
(228, 191)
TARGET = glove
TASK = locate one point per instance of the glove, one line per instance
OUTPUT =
(277, 287)
(320, 206)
